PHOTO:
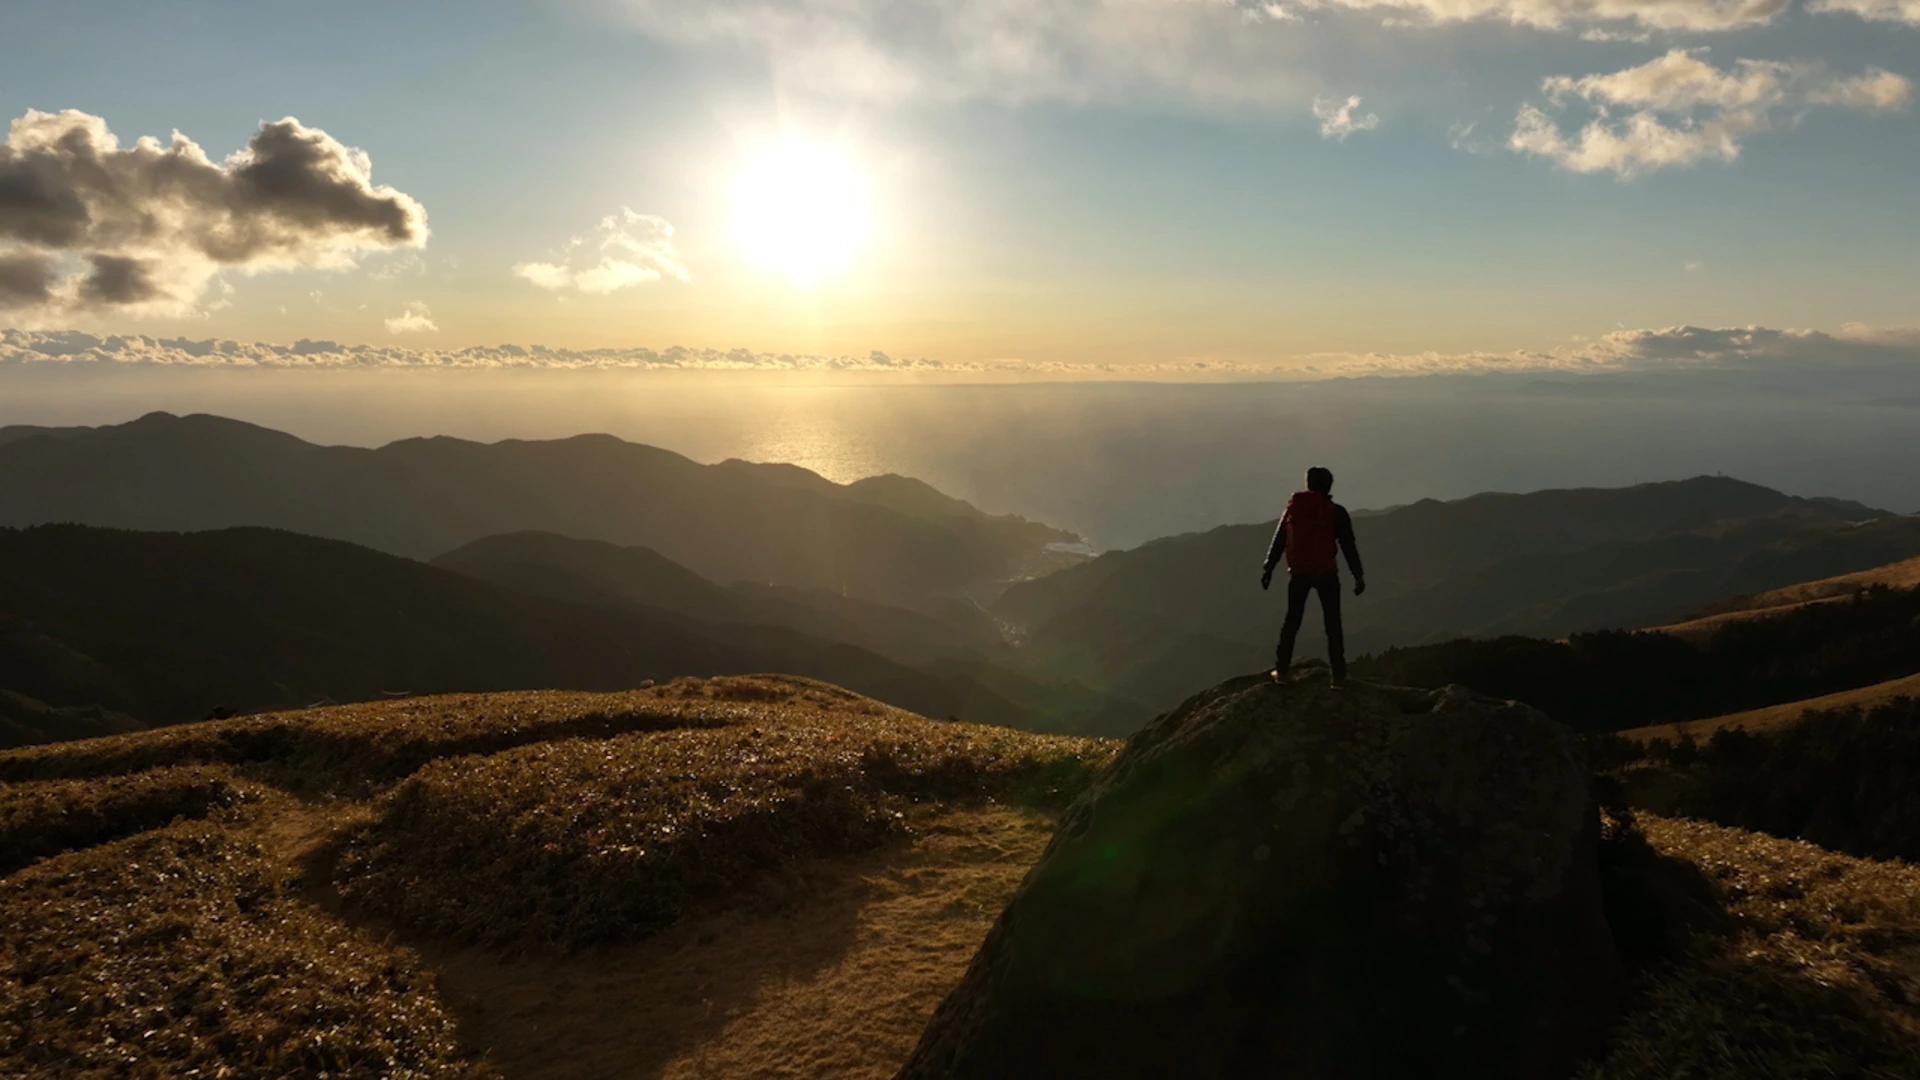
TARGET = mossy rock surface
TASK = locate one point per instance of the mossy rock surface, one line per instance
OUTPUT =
(1286, 880)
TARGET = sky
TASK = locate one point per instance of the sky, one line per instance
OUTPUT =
(1174, 189)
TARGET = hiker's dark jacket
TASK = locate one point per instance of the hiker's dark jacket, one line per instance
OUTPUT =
(1342, 532)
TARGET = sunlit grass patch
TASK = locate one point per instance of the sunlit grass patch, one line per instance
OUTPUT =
(590, 841)
(184, 952)
(355, 748)
(51, 816)
(1820, 975)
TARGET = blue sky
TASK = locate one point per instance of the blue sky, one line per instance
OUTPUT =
(1062, 183)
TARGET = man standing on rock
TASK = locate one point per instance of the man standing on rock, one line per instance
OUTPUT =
(1313, 526)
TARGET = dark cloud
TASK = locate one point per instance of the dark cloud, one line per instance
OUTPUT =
(26, 280)
(38, 204)
(157, 221)
(118, 279)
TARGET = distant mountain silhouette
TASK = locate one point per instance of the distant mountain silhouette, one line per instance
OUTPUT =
(167, 627)
(965, 645)
(25, 721)
(885, 538)
(596, 572)
(1170, 617)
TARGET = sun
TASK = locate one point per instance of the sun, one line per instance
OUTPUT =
(801, 210)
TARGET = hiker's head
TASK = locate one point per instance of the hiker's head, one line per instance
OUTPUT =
(1320, 479)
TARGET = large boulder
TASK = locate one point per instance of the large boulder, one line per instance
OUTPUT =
(1284, 880)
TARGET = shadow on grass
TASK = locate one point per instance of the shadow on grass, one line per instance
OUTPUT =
(632, 1010)
(1752, 984)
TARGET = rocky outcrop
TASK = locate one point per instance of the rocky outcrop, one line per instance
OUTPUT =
(1283, 880)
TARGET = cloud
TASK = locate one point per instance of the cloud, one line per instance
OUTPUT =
(1814, 353)
(26, 280)
(1337, 120)
(88, 225)
(416, 319)
(1604, 35)
(1678, 110)
(1902, 11)
(625, 249)
(408, 265)
(1601, 18)
(1245, 52)
(1232, 52)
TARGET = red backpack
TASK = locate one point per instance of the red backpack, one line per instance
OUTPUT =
(1310, 533)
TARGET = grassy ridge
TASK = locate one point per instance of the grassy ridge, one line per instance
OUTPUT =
(52, 816)
(141, 945)
(354, 748)
(1618, 680)
(1779, 716)
(580, 842)
(184, 952)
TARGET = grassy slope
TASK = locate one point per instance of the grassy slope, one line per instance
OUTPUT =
(1774, 717)
(1904, 574)
(207, 869)
(863, 947)
(222, 939)
(1815, 976)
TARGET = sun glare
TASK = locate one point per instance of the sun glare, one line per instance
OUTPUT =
(801, 210)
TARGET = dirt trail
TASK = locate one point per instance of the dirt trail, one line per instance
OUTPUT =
(829, 973)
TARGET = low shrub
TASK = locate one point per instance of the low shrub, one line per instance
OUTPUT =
(1847, 780)
(590, 841)
(183, 952)
(51, 816)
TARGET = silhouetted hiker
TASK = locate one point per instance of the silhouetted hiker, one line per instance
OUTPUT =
(1313, 526)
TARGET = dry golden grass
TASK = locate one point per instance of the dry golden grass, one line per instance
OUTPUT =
(1774, 717)
(194, 945)
(593, 841)
(1820, 976)
(354, 748)
(184, 952)
(52, 816)
(829, 975)
(741, 833)
(1900, 575)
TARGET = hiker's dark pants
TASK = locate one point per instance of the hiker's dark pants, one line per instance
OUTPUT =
(1298, 586)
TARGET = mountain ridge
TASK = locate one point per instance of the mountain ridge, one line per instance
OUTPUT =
(424, 496)
(168, 626)
(1542, 564)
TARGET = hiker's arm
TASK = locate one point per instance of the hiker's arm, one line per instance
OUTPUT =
(1343, 531)
(1274, 550)
(1277, 548)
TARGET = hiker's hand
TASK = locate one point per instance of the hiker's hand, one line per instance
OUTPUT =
(1359, 585)
(1266, 579)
